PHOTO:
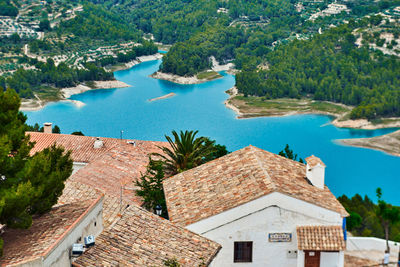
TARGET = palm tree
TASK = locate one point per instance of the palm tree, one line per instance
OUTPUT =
(185, 152)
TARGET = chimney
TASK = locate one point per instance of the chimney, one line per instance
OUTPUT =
(47, 128)
(98, 143)
(316, 171)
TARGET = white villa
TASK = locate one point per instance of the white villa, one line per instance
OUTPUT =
(263, 209)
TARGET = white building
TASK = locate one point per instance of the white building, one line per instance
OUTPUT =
(264, 210)
(49, 240)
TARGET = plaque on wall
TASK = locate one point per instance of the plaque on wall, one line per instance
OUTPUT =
(280, 237)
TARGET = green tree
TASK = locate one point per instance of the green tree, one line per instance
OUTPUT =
(387, 214)
(78, 133)
(219, 150)
(151, 188)
(28, 184)
(171, 263)
(288, 153)
(56, 129)
(185, 151)
(44, 25)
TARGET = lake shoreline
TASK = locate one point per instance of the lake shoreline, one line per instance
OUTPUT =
(181, 79)
(138, 60)
(388, 143)
(338, 120)
(66, 93)
(37, 103)
(209, 75)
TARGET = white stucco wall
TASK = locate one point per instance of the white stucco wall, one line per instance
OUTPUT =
(316, 175)
(355, 243)
(253, 221)
(90, 224)
(76, 166)
(332, 259)
(59, 256)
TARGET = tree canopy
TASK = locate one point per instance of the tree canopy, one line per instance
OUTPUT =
(184, 152)
(364, 217)
(29, 184)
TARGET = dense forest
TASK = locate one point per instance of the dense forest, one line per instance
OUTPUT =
(95, 22)
(363, 220)
(26, 82)
(265, 25)
(7, 9)
(170, 21)
(330, 67)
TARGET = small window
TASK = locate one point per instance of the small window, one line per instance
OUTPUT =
(243, 252)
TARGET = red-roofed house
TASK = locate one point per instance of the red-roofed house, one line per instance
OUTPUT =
(86, 149)
(49, 240)
(264, 209)
(132, 236)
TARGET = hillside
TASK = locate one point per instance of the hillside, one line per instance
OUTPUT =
(263, 39)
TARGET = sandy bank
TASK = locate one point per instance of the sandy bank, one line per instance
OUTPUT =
(367, 125)
(232, 93)
(388, 143)
(181, 79)
(217, 67)
(162, 97)
(35, 105)
(65, 93)
(81, 88)
(176, 78)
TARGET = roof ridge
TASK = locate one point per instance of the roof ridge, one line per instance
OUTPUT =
(262, 168)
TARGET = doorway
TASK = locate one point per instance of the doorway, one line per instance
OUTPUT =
(312, 258)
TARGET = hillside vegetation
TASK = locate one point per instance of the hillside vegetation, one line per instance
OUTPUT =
(330, 67)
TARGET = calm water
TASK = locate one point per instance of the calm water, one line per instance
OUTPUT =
(107, 112)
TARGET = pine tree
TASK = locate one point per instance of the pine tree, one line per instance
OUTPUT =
(151, 188)
(28, 184)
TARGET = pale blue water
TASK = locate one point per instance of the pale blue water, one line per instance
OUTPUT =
(349, 170)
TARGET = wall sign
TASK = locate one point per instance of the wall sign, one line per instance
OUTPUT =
(280, 237)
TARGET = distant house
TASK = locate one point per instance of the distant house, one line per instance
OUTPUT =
(264, 209)
(86, 149)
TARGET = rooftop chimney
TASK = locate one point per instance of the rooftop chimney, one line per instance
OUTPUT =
(47, 128)
(98, 143)
(316, 171)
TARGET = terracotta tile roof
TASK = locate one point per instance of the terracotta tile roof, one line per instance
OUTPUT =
(238, 178)
(323, 238)
(22, 245)
(141, 238)
(112, 206)
(82, 146)
(120, 167)
(313, 161)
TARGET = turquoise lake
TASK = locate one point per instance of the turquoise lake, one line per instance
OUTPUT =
(200, 107)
